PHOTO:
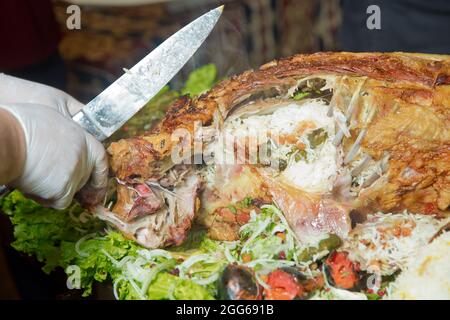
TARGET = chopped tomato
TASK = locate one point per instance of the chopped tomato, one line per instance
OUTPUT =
(283, 286)
(343, 272)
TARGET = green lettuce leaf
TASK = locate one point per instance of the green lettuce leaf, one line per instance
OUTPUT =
(267, 248)
(43, 232)
(94, 264)
(167, 286)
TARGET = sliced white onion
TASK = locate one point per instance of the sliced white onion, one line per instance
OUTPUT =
(338, 138)
(80, 230)
(262, 227)
(117, 263)
(71, 213)
(270, 264)
(152, 273)
(171, 291)
(341, 121)
(229, 256)
(183, 267)
(152, 254)
(282, 219)
(84, 217)
(115, 284)
(231, 244)
(360, 168)
(136, 272)
(79, 242)
(137, 289)
(212, 278)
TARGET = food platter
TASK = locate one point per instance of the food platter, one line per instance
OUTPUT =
(346, 199)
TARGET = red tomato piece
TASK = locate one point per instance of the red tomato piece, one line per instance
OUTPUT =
(342, 271)
(283, 286)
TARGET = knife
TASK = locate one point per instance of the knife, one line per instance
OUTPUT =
(107, 112)
(112, 108)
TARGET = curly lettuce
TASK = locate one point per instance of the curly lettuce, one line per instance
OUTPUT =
(200, 80)
(45, 233)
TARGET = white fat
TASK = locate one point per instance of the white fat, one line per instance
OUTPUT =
(284, 120)
(315, 174)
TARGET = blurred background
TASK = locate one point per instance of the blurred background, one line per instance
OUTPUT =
(115, 34)
(36, 44)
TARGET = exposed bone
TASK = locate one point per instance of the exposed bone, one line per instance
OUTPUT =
(355, 147)
(161, 188)
(377, 169)
(104, 214)
(341, 121)
(360, 168)
(330, 110)
(369, 181)
(338, 138)
(153, 230)
(354, 100)
(343, 128)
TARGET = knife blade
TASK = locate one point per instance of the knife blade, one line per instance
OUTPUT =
(107, 112)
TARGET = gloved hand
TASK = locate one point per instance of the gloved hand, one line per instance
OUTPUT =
(61, 157)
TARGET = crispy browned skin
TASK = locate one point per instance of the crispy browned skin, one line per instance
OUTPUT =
(404, 108)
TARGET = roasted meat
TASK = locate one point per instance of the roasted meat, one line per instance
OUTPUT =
(348, 133)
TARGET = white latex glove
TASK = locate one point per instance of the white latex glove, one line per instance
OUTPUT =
(15, 90)
(61, 157)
